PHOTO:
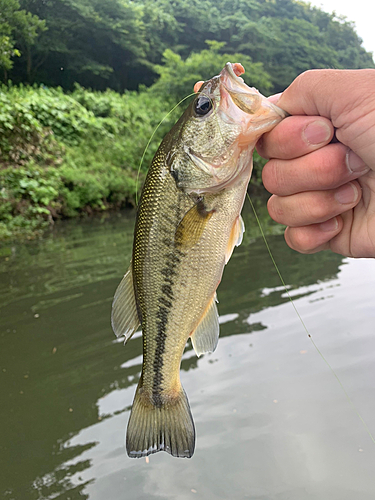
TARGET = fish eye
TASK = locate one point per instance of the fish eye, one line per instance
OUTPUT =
(203, 105)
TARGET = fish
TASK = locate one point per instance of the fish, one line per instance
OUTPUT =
(187, 225)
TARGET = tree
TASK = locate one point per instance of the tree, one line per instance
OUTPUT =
(15, 24)
(99, 43)
(297, 46)
(178, 76)
(117, 43)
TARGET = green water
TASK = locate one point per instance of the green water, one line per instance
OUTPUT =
(272, 422)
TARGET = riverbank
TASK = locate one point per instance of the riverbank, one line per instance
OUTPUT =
(63, 155)
(68, 155)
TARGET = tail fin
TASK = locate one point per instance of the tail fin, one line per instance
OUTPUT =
(168, 427)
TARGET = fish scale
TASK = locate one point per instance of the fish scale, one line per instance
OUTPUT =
(188, 223)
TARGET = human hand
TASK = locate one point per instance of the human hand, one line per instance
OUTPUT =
(325, 192)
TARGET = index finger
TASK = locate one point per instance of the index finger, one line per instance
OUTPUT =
(295, 136)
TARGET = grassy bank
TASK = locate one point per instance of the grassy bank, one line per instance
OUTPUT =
(65, 155)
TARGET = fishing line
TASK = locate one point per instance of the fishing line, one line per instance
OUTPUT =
(305, 327)
(150, 139)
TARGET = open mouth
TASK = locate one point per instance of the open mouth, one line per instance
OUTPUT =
(247, 99)
(230, 77)
(237, 69)
(234, 71)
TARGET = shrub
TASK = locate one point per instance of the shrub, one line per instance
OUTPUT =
(66, 154)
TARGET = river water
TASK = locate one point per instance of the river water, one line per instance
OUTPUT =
(272, 421)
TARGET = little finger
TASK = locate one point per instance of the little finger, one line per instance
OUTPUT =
(313, 238)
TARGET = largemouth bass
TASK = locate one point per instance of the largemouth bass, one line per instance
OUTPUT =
(188, 223)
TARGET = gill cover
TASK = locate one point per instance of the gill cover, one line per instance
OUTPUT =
(219, 131)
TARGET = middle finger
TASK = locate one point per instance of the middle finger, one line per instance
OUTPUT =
(295, 136)
(325, 168)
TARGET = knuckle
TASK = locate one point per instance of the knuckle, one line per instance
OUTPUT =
(316, 210)
(280, 148)
(325, 173)
(270, 176)
(330, 168)
(311, 77)
(300, 240)
(274, 209)
(304, 79)
(273, 144)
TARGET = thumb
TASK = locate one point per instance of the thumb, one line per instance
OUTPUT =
(346, 97)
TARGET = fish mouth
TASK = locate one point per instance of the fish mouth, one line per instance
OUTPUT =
(243, 110)
(231, 79)
(247, 99)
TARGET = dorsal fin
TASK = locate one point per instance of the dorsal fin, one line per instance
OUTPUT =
(124, 319)
(206, 336)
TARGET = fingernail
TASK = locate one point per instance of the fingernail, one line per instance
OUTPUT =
(329, 225)
(317, 132)
(347, 194)
(355, 162)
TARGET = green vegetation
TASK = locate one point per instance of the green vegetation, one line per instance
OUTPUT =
(67, 150)
(65, 153)
(116, 43)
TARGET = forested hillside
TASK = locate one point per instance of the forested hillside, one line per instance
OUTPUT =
(76, 148)
(115, 43)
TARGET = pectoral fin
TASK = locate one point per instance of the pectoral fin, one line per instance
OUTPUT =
(125, 320)
(206, 336)
(235, 238)
(191, 227)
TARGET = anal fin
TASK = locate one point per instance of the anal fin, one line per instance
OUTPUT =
(206, 336)
(124, 319)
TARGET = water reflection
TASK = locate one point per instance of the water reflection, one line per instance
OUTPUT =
(262, 402)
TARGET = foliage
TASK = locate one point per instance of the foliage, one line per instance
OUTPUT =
(117, 43)
(177, 76)
(61, 155)
(66, 150)
(267, 31)
(297, 45)
(16, 24)
(64, 154)
(28, 194)
(97, 43)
